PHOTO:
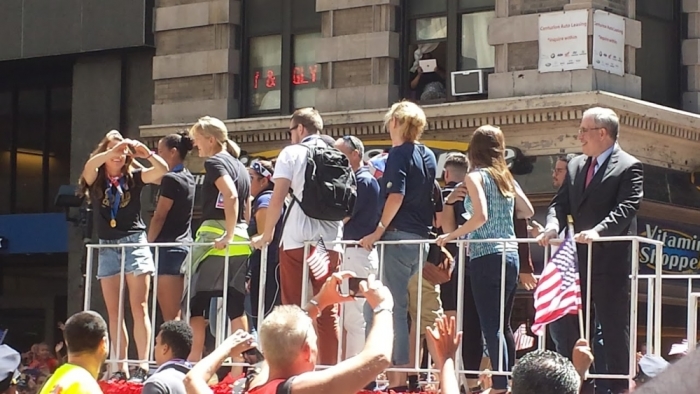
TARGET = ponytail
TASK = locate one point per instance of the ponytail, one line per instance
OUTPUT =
(232, 148)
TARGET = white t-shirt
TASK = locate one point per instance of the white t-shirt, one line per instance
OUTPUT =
(291, 165)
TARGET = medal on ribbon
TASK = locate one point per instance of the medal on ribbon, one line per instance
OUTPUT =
(114, 198)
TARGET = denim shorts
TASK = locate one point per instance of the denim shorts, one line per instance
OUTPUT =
(137, 260)
(170, 259)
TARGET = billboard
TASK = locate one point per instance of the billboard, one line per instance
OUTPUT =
(681, 250)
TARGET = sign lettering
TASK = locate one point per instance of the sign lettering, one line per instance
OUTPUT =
(681, 251)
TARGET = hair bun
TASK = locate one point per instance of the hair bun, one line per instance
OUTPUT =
(186, 141)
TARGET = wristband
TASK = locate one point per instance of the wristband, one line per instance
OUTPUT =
(151, 155)
(317, 306)
(386, 305)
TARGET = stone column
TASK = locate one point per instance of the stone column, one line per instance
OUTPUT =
(691, 56)
(514, 33)
(196, 62)
(358, 54)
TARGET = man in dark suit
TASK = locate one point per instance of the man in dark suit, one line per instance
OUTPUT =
(602, 191)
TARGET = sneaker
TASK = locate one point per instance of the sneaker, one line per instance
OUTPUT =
(119, 376)
(139, 375)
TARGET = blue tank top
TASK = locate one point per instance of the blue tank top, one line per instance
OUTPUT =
(499, 223)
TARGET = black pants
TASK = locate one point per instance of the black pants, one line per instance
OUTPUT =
(610, 298)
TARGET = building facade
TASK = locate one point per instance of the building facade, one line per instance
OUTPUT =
(149, 68)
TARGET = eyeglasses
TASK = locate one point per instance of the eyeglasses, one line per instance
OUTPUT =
(587, 129)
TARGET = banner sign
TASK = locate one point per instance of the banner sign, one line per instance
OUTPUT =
(681, 251)
(609, 42)
(563, 41)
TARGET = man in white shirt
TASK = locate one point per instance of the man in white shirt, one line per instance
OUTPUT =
(305, 127)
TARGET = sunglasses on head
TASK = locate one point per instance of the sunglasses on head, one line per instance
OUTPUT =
(350, 141)
(261, 170)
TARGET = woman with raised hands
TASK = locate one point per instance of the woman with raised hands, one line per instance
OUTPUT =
(113, 182)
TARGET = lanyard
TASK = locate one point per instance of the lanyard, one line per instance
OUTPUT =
(114, 199)
(177, 168)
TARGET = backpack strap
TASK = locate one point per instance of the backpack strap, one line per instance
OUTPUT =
(285, 387)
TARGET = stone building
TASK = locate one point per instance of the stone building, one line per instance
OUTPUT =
(150, 68)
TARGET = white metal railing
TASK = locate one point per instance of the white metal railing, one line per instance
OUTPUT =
(654, 290)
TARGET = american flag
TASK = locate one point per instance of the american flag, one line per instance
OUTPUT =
(319, 261)
(559, 291)
(523, 341)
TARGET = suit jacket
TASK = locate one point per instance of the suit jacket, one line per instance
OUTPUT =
(608, 205)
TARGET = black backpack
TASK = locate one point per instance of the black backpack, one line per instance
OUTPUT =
(330, 187)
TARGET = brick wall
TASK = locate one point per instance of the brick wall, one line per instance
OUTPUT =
(353, 21)
(182, 89)
(186, 40)
(352, 73)
(523, 56)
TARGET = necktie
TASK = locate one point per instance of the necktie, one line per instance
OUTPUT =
(591, 171)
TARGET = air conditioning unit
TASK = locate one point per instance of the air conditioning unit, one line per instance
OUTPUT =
(469, 82)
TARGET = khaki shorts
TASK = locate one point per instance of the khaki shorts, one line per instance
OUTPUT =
(431, 306)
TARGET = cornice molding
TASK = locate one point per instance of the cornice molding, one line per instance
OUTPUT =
(507, 112)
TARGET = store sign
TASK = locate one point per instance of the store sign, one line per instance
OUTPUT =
(609, 42)
(563, 41)
(681, 251)
(269, 78)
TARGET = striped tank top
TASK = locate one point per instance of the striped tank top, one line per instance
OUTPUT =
(499, 223)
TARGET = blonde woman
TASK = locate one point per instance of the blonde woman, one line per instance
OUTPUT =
(113, 182)
(225, 196)
(407, 184)
(493, 197)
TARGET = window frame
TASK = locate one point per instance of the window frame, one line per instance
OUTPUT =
(454, 14)
(25, 75)
(287, 33)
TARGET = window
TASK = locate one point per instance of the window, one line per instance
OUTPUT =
(453, 33)
(282, 73)
(306, 78)
(475, 49)
(265, 66)
(35, 129)
(658, 61)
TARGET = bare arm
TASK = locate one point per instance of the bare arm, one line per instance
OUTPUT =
(196, 380)
(523, 207)
(156, 226)
(279, 193)
(158, 168)
(95, 162)
(475, 189)
(351, 375)
(228, 190)
(260, 218)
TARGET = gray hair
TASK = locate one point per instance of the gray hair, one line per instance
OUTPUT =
(358, 145)
(605, 118)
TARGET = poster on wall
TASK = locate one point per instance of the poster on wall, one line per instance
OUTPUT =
(609, 42)
(563, 41)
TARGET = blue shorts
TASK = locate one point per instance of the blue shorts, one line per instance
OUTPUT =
(137, 260)
(170, 259)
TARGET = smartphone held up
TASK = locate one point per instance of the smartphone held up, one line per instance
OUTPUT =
(351, 287)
